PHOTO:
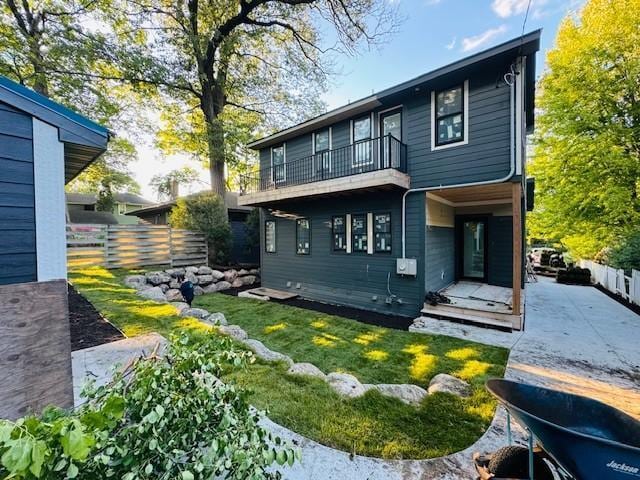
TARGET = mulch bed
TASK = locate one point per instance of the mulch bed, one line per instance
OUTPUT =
(88, 327)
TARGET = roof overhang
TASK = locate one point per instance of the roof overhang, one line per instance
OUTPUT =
(526, 45)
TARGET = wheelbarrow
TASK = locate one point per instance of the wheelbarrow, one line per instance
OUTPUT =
(569, 437)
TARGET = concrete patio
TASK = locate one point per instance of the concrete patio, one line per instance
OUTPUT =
(576, 339)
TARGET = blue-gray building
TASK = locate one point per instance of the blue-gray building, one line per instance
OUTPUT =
(408, 191)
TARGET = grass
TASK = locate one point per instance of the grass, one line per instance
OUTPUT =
(373, 424)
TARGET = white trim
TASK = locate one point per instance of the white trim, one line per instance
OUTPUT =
(348, 231)
(284, 157)
(370, 233)
(50, 210)
(465, 112)
(519, 117)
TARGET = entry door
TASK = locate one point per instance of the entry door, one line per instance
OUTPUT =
(473, 248)
(390, 125)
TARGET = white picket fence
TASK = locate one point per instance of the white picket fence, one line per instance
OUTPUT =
(615, 280)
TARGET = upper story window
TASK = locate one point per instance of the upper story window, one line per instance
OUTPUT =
(303, 236)
(359, 233)
(450, 116)
(270, 236)
(322, 141)
(362, 151)
(278, 163)
(339, 228)
(321, 150)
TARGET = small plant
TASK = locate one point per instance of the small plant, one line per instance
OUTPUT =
(162, 417)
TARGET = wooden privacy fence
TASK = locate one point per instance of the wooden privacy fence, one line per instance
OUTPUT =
(615, 280)
(124, 246)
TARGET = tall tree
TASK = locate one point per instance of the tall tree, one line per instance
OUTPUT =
(231, 64)
(587, 157)
(46, 45)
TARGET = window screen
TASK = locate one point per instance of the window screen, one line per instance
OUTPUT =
(270, 236)
(382, 231)
(339, 226)
(359, 233)
(303, 236)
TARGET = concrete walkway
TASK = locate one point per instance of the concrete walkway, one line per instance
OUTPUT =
(576, 339)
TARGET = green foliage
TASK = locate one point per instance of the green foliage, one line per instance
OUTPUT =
(587, 155)
(626, 254)
(104, 200)
(252, 238)
(163, 184)
(161, 418)
(205, 212)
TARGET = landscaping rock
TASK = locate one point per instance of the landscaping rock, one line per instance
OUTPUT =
(175, 272)
(204, 270)
(153, 293)
(217, 275)
(237, 283)
(164, 287)
(135, 280)
(192, 277)
(200, 313)
(216, 318)
(264, 298)
(180, 306)
(242, 272)
(224, 285)
(174, 284)
(230, 275)
(449, 384)
(205, 279)
(264, 353)
(346, 384)
(254, 271)
(198, 290)
(306, 369)
(234, 331)
(156, 278)
(210, 288)
(174, 295)
(411, 394)
(191, 269)
(248, 280)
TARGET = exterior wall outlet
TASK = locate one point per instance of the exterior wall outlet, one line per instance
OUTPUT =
(406, 266)
(298, 286)
(288, 284)
(374, 298)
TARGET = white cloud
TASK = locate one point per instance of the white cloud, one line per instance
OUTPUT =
(451, 45)
(477, 41)
(509, 8)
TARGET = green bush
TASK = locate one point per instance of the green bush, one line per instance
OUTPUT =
(253, 230)
(626, 254)
(205, 212)
(162, 418)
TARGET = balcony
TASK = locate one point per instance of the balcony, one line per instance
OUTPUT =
(375, 163)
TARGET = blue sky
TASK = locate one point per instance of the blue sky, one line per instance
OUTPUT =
(437, 32)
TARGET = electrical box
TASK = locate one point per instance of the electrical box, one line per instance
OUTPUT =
(406, 266)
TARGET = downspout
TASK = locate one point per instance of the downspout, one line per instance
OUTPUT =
(512, 169)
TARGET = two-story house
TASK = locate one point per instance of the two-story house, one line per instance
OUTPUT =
(415, 189)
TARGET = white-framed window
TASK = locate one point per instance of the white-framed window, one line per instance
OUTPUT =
(270, 236)
(279, 163)
(322, 150)
(303, 236)
(450, 116)
(361, 129)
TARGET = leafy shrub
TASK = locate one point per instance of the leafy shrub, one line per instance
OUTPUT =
(162, 418)
(205, 212)
(626, 254)
(253, 230)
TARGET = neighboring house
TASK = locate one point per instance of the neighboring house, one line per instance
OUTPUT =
(158, 214)
(81, 208)
(43, 146)
(406, 191)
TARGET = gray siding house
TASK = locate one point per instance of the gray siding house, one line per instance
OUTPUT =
(43, 146)
(411, 190)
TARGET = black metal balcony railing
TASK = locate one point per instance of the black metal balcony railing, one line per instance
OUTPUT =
(365, 156)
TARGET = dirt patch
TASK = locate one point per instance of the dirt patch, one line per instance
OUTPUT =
(88, 327)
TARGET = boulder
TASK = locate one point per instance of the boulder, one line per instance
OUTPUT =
(156, 278)
(242, 272)
(200, 313)
(264, 298)
(248, 280)
(237, 283)
(153, 293)
(175, 272)
(411, 394)
(174, 284)
(180, 306)
(216, 318)
(234, 331)
(230, 275)
(192, 277)
(174, 295)
(210, 288)
(191, 269)
(198, 290)
(449, 384)
(264, 353)
(254, 271)
(164, 287)
(346, 384)
(135, 280)
(204, 270)
(205, 279)
(306, 369)
(224, 285)
(217, 275)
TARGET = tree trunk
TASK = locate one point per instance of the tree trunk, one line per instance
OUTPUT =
(211, 107)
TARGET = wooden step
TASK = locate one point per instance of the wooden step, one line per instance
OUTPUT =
(468, 316)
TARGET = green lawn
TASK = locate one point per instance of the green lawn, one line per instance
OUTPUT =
(370, 425)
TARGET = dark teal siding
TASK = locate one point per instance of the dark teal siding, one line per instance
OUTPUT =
(17, 203)
(500, 260)
(341, 278)
(440, 258)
